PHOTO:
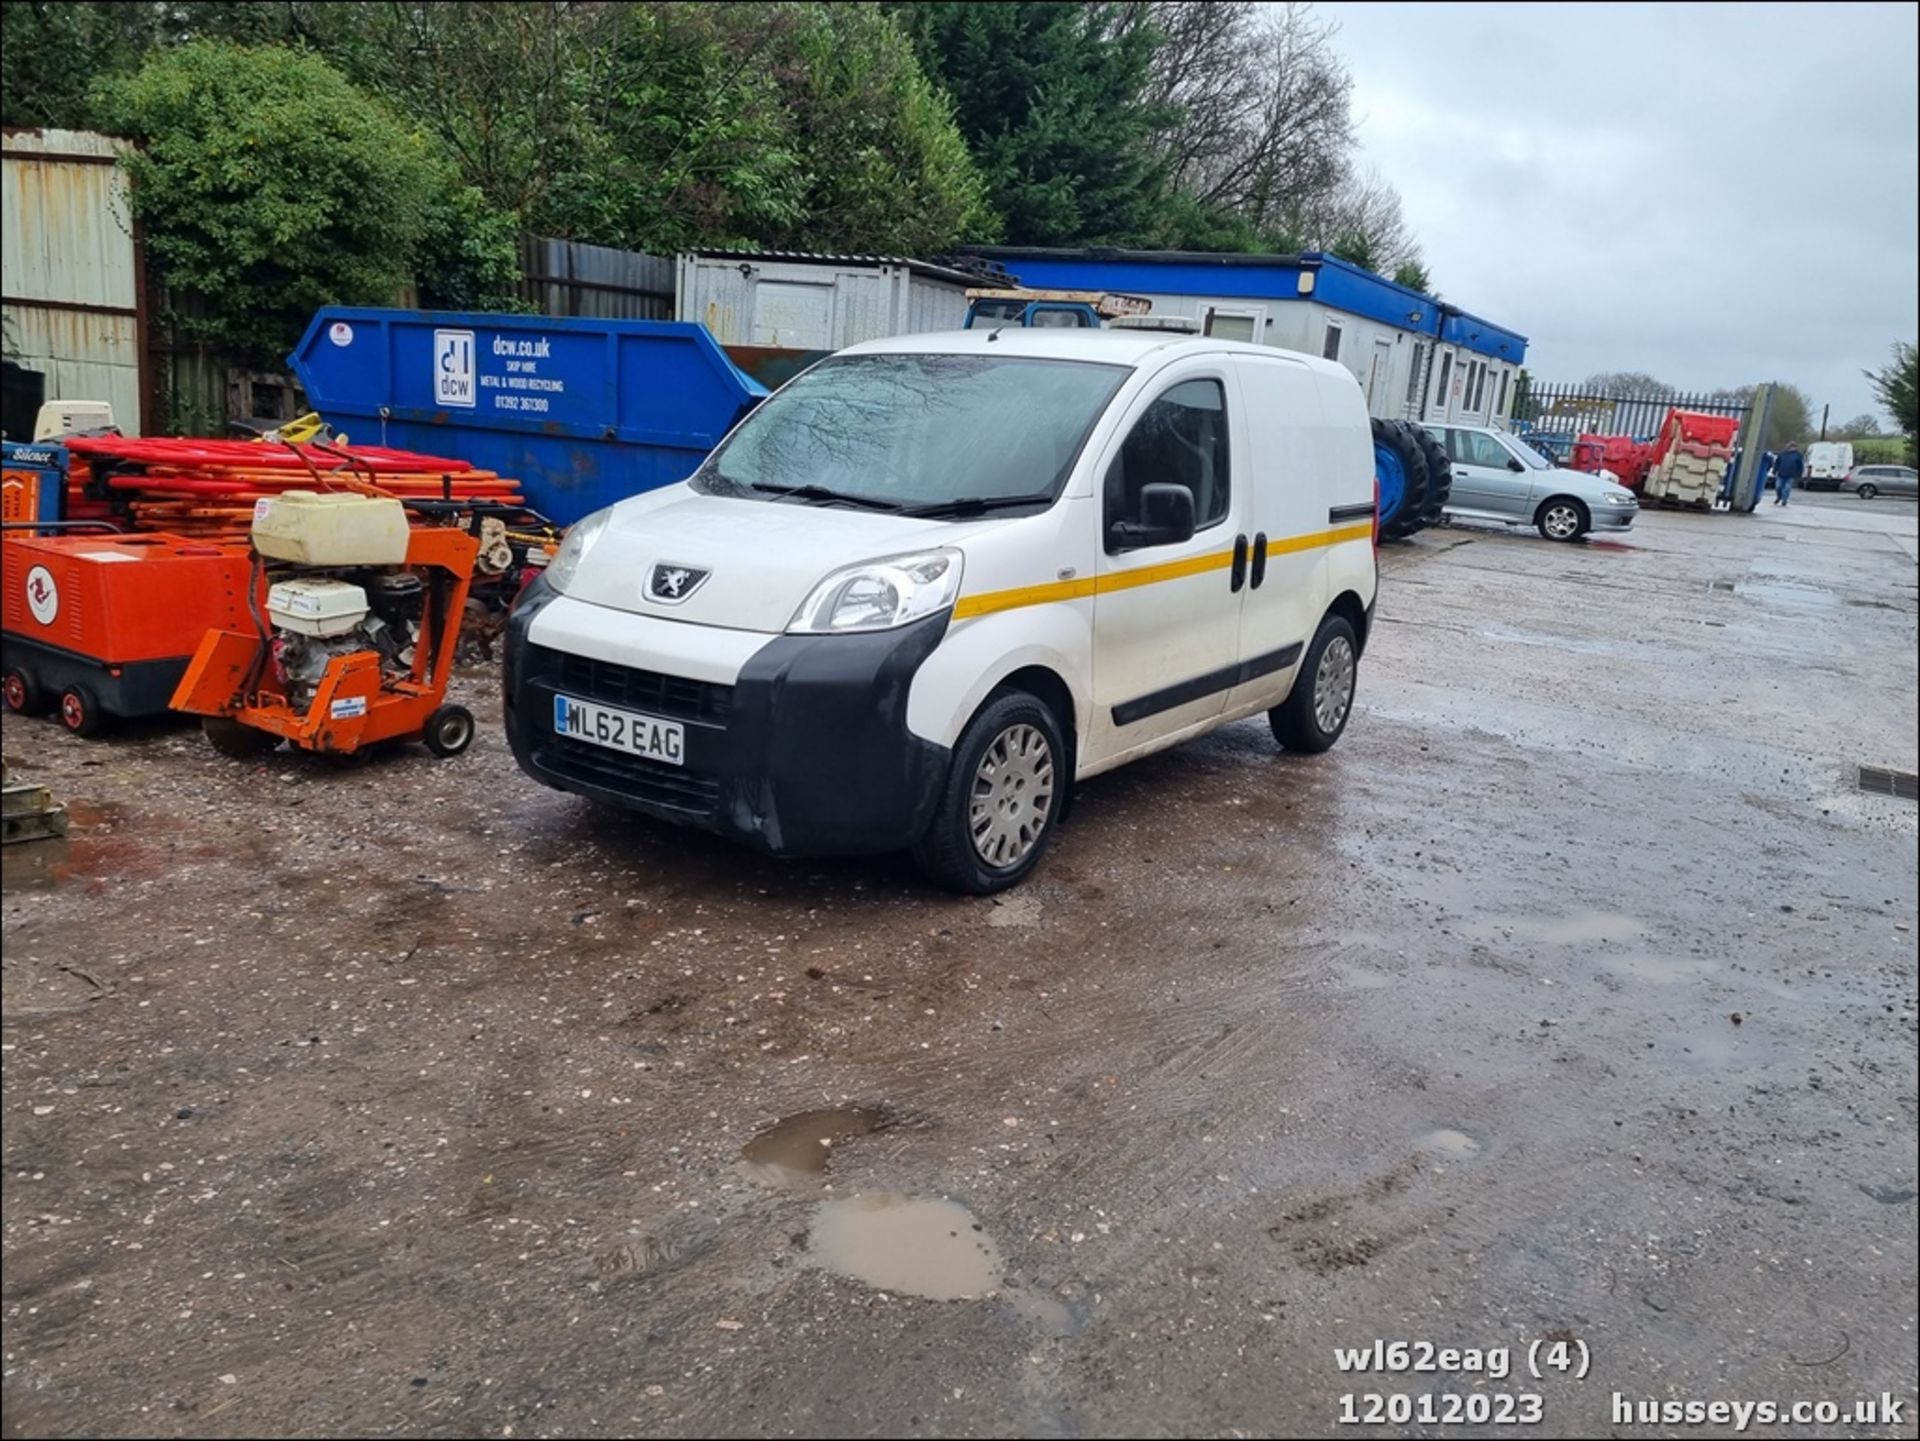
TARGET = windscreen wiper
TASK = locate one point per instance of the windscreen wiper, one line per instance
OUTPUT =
(822, 494)
(976, 505)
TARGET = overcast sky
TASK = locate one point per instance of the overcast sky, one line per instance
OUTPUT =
(1715, 194)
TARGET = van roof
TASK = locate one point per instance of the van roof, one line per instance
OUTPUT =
(1107, 347)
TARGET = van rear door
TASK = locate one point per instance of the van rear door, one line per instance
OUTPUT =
(1298, 455)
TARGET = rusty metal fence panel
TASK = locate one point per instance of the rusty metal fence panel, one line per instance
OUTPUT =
(567, 277)
(72, 277)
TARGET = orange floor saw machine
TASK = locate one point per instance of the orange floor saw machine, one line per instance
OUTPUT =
(356, 614)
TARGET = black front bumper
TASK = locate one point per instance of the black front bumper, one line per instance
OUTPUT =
(806, 754)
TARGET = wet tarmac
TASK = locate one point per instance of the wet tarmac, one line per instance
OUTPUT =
(1570, 999)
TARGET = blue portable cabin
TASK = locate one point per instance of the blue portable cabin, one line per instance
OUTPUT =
(582, 412)
(1416, 357)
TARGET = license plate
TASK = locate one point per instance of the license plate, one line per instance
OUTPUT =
(620, 730)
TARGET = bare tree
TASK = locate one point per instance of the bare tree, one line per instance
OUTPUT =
(1265, 133)
(1265, 128)
(1360, 220)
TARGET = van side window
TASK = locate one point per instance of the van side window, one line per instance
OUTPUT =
(1181, 440)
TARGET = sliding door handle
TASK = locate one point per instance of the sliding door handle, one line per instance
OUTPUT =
(1239, 563)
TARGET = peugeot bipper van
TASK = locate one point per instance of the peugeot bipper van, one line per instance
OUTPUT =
(935, 580)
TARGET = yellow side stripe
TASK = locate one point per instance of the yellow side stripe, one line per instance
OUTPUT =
(987, 602)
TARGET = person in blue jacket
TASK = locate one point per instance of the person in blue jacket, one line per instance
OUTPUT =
(1786, 470)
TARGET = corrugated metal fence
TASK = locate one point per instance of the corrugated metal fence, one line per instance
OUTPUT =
(75, 294)
(567, 277)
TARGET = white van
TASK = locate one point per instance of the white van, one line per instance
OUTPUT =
(1828, 462)
(935, 580)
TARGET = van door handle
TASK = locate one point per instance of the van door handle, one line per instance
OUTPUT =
(1239, 563)
(1259, 559)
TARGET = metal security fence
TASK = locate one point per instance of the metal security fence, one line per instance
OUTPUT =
(567, 277)
(1572, 410)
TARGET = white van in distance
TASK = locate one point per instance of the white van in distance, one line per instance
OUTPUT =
(1828, 462)
(936, 580)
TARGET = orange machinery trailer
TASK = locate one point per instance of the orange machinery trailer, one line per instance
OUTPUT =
(104, 625)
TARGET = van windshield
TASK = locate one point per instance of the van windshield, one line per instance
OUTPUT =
(917, 433)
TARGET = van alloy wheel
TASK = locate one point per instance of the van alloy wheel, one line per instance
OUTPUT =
(1333, 684)
(1012, 796)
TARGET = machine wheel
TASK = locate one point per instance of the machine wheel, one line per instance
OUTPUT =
(80, 710)
(1401, 467)
(449, 730)
(1316, 710)
(1562, 518)
(1868, 491)
(233, 738)
(1439, 471)
(996, 812)
(23, 694)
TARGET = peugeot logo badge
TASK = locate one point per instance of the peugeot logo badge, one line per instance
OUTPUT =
(670, 584)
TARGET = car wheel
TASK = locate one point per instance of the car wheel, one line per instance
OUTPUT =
(1868, 491)
(1562, 518)
(1318, 707)
(80, 711)
(23, 693)
(996, 813)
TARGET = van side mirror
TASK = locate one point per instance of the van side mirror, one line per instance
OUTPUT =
(1166, 518)
(1513, 463)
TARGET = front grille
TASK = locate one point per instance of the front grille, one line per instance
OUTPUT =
(654, 782)
(674, 697)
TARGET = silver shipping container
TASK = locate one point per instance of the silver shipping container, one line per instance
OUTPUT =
(75, 301)
(794, 301)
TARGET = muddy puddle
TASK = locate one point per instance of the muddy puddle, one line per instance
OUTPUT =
(1659, 970)
(1780, 591)
(89, 850)
(1449, 1145)
(907, 1244)
(1583, 928)
(793, 1153)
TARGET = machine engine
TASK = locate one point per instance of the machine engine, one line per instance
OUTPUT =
(316, 617)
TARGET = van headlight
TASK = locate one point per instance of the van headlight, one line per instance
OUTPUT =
(573, 548)
(881, 594)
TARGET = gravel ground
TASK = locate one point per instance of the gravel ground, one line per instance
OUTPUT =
(1570, 999)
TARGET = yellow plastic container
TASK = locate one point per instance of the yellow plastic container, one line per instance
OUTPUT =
(309, 528)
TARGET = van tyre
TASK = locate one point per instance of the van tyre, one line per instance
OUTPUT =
(996, 813)
(1439, 471)
(24, 695)
(1563, 518)
(1316, 711)
(80, 710)
(235, 738)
